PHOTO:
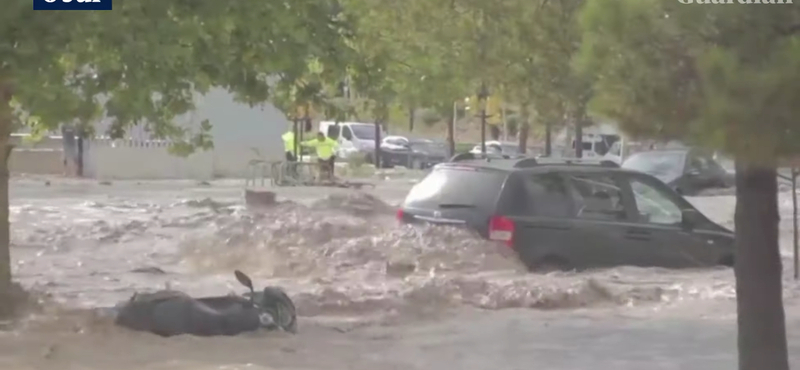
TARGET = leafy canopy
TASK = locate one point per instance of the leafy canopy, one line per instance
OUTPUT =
(144, 61)
(727, 77)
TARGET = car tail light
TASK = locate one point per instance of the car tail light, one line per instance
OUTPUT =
(501, 229)
(400, 215)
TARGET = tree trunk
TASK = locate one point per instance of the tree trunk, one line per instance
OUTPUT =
(523, 137)
(548, 138)
(483, 129)
(81, 139)
(523, 131)
(759, 292)
(411, 119)
(377, 156)
(380, 119)
(494, 132)
(578, 137)
(451, 142)
(69, 148)
(6, 293)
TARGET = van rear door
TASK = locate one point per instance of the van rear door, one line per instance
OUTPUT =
(453, 195)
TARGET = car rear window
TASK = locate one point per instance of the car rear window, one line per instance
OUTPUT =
(456, 187)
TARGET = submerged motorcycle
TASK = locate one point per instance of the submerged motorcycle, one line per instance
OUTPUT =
(168, 313)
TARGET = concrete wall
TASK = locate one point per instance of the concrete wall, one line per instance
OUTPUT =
(142, 159)
(240, 133)
(38, 161)
(44, 157)
(238, 130)
(150, 159)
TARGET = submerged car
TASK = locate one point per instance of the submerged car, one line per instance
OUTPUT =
(411, 152)
(687, 171)
(569, 214)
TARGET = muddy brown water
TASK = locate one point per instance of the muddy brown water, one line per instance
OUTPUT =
(372, 294)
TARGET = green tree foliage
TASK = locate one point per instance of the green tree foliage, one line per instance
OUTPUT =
(415, 48)
(726, 77)
(143, 62)
(522, 50)
(536, 42)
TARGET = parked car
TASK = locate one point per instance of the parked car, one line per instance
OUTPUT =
(686, 170)
(411, 152)
(572, 214)
(784, 173)
(497, 147)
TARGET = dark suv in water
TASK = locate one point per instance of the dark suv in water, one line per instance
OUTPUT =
(569, 214)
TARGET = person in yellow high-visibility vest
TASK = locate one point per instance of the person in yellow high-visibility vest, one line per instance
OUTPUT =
(326, 152)
(289, 145)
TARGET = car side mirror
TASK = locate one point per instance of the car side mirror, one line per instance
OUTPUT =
(690, 218)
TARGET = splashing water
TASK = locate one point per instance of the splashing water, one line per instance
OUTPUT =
(348, 255)
(341, 255)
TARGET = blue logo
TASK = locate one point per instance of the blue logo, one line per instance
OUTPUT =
(71, 4)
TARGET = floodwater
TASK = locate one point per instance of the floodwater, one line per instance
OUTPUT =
(371, 294)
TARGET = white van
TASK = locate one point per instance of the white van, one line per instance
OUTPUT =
(353, 137)
(596, 146)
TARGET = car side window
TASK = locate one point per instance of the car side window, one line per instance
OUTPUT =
(616, 148)
(653, 205)
(699, 163)
(333, 132)
(545, 195)
(714, 166)
(346, 133)
(597, 197)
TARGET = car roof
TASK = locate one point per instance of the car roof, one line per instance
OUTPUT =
(529, 164)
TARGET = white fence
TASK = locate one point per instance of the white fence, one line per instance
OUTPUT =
(106, 159)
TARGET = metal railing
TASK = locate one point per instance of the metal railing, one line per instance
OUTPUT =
(281, 173)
